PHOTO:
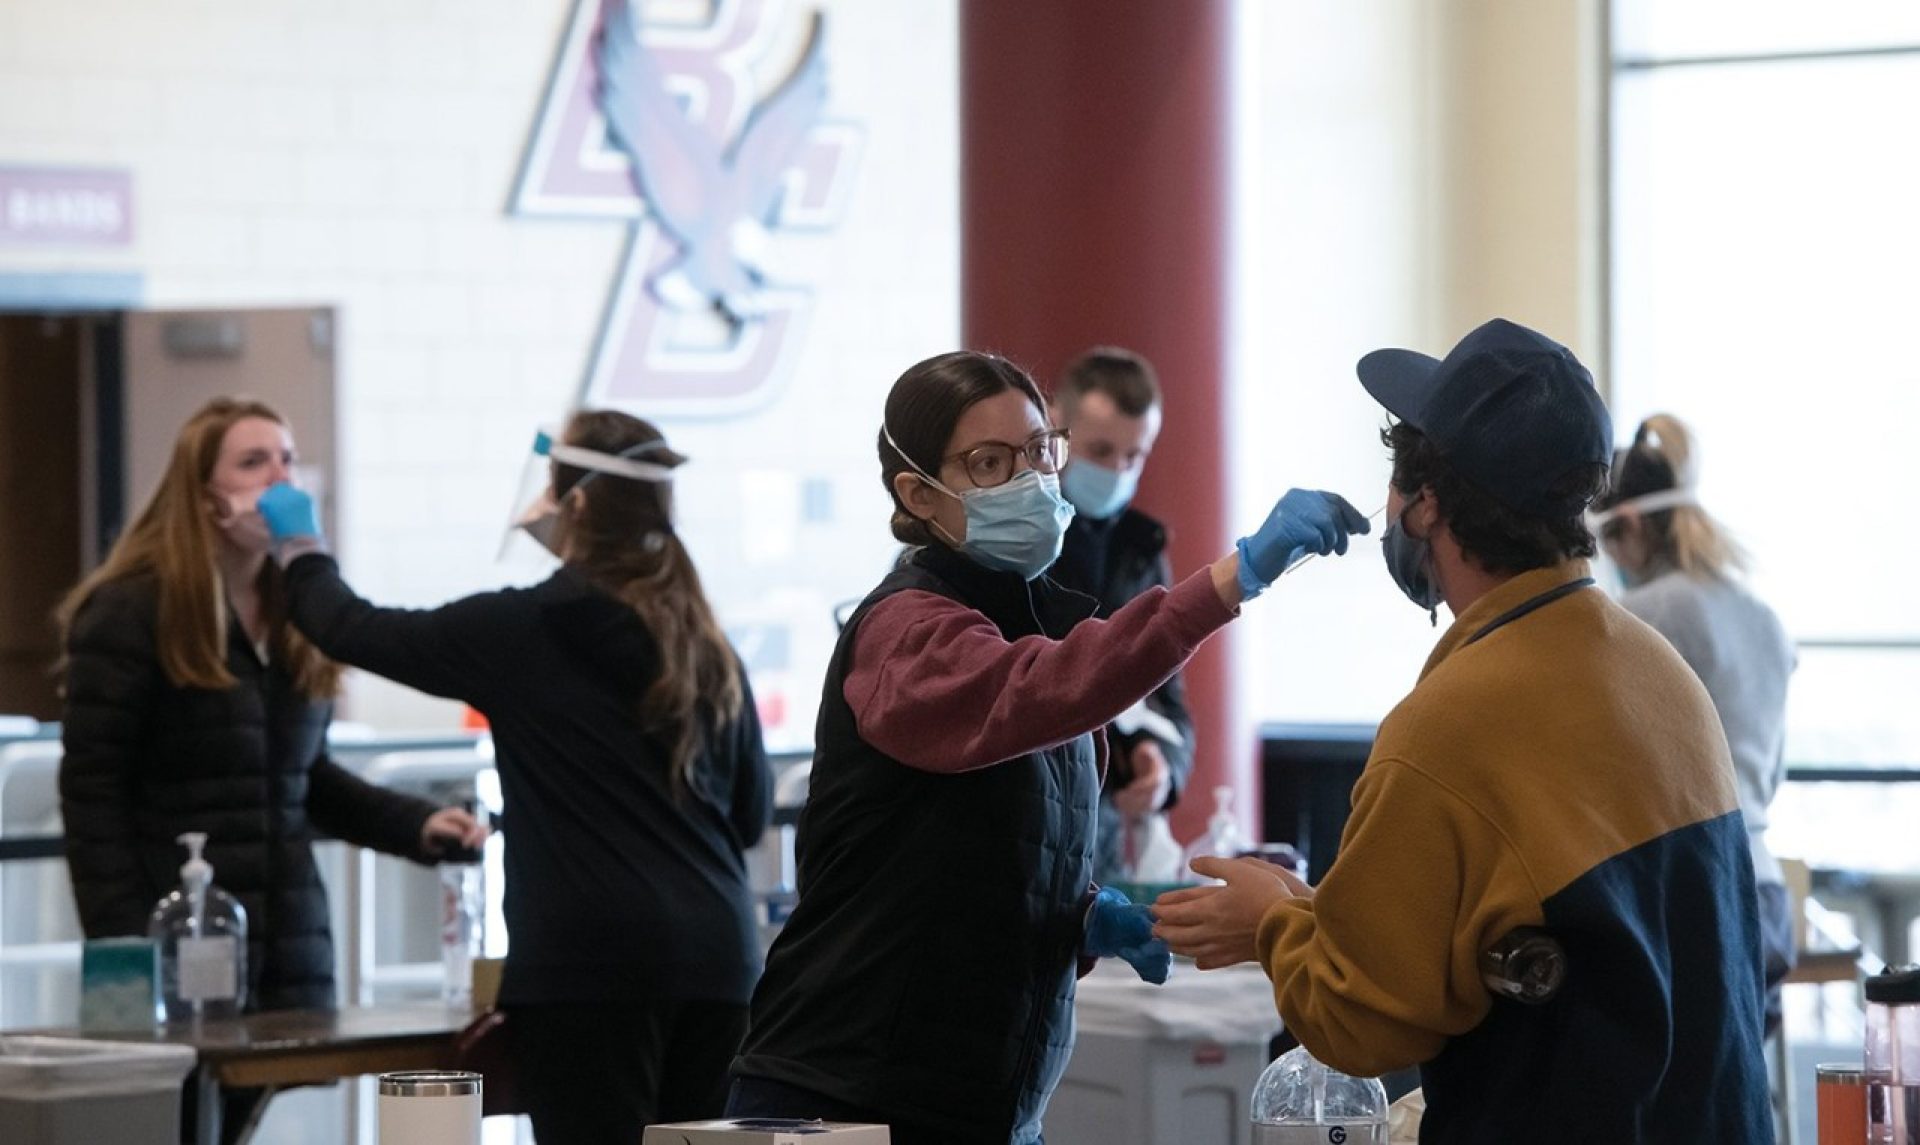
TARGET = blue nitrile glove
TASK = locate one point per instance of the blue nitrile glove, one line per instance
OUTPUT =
(1118, 927)
(1304, 521)
(289, 513)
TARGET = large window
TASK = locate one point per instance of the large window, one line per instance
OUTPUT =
(1765, 231)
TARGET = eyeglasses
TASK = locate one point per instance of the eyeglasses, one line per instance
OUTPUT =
(992, 464)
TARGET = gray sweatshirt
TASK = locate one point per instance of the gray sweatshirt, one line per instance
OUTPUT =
(1737, 647)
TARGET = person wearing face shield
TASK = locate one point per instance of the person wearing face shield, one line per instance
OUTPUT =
(1684, 575)
(925, 978)
(1557, 766)
(633, 775)
(191, 704)
(1109, 403)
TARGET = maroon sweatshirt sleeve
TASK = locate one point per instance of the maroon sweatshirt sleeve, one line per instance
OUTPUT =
(934, 685)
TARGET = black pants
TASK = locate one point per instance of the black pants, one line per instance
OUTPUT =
(599, 1074)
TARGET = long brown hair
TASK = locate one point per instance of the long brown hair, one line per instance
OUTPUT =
(174, 540)
(619, 534)
(1687, 537)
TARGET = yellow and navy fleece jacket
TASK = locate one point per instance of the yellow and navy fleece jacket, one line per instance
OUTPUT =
(1565, 770)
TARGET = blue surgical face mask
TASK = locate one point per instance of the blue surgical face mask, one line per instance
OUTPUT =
(1017, 527)
(1097, 491)
(1410, 564)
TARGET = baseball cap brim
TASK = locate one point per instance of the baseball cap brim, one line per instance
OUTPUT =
(1400, 380)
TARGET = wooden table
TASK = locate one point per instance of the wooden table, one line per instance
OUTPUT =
(300, 1047)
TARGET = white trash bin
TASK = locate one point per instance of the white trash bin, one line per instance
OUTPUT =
(1153, 1065)
(73, 1091)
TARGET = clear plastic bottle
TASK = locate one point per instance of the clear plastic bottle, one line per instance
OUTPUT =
(1893, 1056)
(1300, 1101)
(462, 923)
(202, 934)
(1223, 839)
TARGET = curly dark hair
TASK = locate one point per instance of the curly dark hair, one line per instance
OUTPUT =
(1497, 538)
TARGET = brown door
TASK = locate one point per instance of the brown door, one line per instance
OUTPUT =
(42, 397)
(174, 361)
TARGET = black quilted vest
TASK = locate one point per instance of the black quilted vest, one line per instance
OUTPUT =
(928, 970)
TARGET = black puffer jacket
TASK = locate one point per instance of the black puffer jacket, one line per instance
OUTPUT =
(146, 761)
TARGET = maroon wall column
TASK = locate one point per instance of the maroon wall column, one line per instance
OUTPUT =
(1094, 209)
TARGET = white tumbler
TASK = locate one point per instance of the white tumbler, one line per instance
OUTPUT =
(430, 1107)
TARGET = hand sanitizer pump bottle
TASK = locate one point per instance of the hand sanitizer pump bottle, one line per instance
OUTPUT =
(1223, 840)
(202, 934)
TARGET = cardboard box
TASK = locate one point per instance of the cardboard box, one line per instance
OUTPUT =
(765, 1131)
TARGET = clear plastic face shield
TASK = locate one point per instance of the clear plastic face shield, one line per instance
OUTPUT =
(1685, 489)
(1631, 509)
(539, 512)
(1643, 504)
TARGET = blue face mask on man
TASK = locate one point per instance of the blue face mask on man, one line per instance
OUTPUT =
(1097, 491)
(1410, 563)
(1017, 527)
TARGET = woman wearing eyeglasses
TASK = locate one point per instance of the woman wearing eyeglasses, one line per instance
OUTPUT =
(925, 979)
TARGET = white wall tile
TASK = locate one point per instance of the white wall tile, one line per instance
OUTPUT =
(105, 105)
(34, 105)
(201, 108)
(302, 243)
(464, 243)
(117, 37)
(201, 240)
(424, 180)
(342, 176)
(256, 179)
(309, 113)
(394, 249)
(247, 40)
(432, 51)
(436, 307)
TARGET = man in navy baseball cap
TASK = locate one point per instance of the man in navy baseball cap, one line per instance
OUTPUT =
(1557, 766)
(1510, 409)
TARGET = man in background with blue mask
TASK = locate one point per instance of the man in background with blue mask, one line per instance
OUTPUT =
(1558, 765)
(1109, 404)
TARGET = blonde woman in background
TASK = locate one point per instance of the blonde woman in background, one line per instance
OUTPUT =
(192, 704)
(1685, 577)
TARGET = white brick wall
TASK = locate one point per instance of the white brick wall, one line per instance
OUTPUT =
(361, 154)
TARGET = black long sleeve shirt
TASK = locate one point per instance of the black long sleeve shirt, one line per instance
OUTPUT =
(618, 887)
